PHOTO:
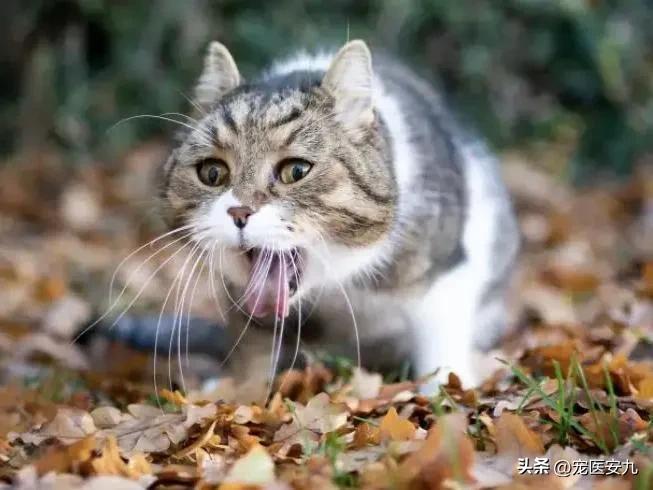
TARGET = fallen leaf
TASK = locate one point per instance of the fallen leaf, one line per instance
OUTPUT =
(212, 467)
(319, 414)
(64, 459)
(68, 426)
(111, 463)
(514, 439)
(197, 414)
(106, 417)
(366, 434)
(447, 453)
(255, 468)
(209, 437)
(395, 428)
(146, 429)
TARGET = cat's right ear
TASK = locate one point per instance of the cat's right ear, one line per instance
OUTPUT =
(220, 75)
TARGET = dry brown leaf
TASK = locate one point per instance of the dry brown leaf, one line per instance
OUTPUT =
(209, 437)
(242, 435)
(366, 434)
(49, 289)
(197, 414)
(395, 428)
(249, 413)
(446, 454)
(146, 429)
(65, 459)
(515, 439)
(543, 358)
(27, 478)
(68, 426)
(575, 280)
(319, 414)
(111, 463)
(303, 385)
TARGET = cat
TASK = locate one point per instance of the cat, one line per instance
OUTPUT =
(342, 201)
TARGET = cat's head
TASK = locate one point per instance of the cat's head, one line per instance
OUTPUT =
(288, 178)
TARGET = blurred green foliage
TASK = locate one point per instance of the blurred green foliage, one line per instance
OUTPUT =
(578, 71)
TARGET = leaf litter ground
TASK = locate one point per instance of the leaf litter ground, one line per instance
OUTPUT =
(573, 382)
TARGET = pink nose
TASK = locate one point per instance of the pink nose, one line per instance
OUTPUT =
(240, 214)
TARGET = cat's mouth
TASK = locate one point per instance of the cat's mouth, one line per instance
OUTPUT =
(274, 278)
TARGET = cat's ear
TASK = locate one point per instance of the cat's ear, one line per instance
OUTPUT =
(219, 76)
(349, 80)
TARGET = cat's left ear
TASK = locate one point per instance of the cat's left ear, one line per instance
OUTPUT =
(349, 80)
(219, 76)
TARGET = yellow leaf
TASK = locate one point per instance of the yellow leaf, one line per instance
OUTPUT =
(646, 388)
(395, 428)
(513, 437)
(110, 462)
(138, 465)
(174, 397)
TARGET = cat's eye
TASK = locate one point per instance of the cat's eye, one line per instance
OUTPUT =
(212, 172)
(293, 169)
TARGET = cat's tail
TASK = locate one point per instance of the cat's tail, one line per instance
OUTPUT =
(140, 332)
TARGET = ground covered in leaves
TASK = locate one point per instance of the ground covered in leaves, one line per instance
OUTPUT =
(567, 402)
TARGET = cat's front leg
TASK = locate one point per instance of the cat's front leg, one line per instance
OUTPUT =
(444, 328)
(248, 357)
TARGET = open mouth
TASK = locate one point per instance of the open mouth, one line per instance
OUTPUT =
(274, 278)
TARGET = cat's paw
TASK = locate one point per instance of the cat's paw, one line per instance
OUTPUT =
(431, 387)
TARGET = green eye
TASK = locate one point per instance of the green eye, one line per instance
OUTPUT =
(294, 169)
(212, 172)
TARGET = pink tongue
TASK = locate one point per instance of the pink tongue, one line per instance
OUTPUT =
(268, 293)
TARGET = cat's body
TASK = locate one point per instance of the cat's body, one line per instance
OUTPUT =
(352, 194)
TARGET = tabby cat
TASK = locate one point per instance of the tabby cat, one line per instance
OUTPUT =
(340, 200)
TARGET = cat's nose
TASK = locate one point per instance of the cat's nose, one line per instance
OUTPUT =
(240, 214)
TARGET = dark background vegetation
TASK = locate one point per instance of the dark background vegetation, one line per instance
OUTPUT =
(571, 77)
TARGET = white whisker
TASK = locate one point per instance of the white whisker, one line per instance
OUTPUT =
(274, 333)
(249, 319)
(299, 326)
(178, 302)
(207, 142)
(234, 304)
(277, 356)
(192, 298)
(214, 292)
(138, 294)
(151, 242)
(346, 298)
(158, 327)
